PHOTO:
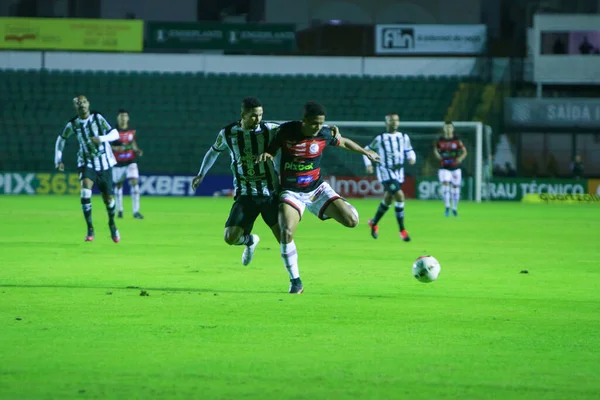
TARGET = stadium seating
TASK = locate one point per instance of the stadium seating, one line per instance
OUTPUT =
(178, 115)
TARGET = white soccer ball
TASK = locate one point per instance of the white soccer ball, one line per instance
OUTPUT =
(426, 269)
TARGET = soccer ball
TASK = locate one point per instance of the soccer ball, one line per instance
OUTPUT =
(426, 269)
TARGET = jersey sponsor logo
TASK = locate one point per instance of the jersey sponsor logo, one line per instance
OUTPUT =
(305, 179)
(291, 166)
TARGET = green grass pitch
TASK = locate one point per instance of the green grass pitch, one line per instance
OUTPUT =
(74, 326)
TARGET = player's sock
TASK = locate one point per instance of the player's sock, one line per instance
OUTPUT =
(446, 195)
(455, 197)
(135, 198)
(400, 214)
(110, 209)
(289, 255)
(86, 206)
(380, 211)
(245, 240)
(119, 196)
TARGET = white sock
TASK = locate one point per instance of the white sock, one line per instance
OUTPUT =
(135, 198)
(289, 255)
(446, 195)
(455, 197)
(119, 196)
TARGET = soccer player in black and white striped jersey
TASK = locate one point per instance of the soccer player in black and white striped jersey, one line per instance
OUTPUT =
(95, 160)
(256, 184)
(394, 148)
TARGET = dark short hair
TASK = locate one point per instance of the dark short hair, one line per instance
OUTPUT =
(392, 113)
(122, 111)
(313, 109)
(250, 102)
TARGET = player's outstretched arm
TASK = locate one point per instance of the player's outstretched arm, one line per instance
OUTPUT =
(350, 145)
(207, 162)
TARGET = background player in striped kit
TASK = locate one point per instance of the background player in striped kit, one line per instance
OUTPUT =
(95, 160)
(451, 152)
(126, 151)
(256, 184)
(393, 147)
(302, 144)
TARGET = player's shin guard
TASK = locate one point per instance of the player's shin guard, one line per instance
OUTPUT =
(119, 196)
(455, 197)
(400, 214)
(110, 209)
(381, 210)
(446, 195)
(289, 255)
(135, 198)
(86, 206)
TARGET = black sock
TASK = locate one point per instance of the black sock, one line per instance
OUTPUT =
(110, 208)
(400, 215)
(248, 240)
(86, 206)
(380, 211)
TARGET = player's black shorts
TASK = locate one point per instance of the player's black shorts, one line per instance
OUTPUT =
(246, 209)
(101, 178)
(392, 186)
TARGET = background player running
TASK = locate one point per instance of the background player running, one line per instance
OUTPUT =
(302, 144)
(94, 160)
(393, 147)
(256, 184)
(126, 151)
(451, 152)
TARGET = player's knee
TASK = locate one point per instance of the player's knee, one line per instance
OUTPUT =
(231, 237)
(350, 217)
(133, 182)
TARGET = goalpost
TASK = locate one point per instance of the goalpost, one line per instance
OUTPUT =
(475, 135)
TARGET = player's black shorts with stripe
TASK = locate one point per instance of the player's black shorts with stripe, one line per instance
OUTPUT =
(246, 209)
(103, 179)
(392, 185)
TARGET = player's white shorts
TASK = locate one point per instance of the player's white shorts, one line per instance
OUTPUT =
(129, 172)
(452, 176)
(316, 201)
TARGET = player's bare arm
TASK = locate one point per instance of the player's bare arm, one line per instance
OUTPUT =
(436, 152)
(350, 145)
(137, 149)
(463, 153)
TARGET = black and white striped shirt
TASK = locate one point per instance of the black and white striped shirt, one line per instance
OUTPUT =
(393, 148)
(98, 157)
(249, 178)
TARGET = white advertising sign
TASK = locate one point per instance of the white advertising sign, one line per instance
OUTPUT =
(430, 39)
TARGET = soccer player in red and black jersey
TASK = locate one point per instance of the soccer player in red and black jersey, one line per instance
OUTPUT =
(126, 151)
(302, 144)
(451, 152)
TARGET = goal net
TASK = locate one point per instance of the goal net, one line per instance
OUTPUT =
(475, 136)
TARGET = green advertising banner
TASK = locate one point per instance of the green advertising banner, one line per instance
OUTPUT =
(512, 189)
(39, 183)
(217, 36)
